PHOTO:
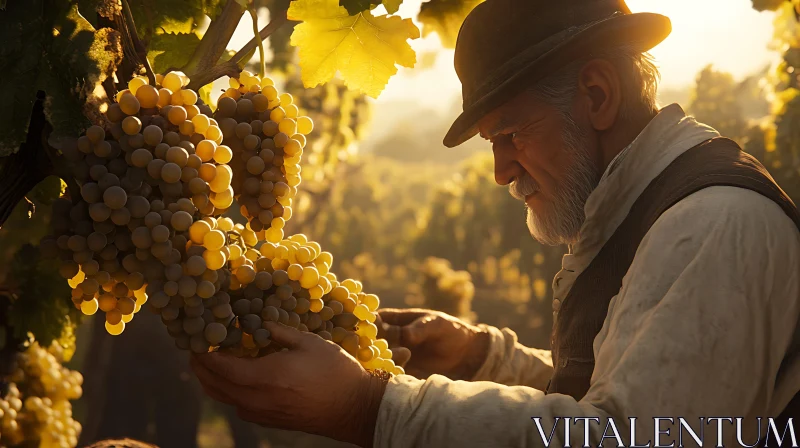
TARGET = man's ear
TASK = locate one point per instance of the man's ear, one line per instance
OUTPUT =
(600, 89)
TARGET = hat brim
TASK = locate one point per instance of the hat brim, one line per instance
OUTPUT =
(641, 30)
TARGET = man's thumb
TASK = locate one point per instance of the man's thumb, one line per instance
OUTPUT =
(286, 336)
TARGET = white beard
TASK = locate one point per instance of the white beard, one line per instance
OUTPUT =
(561, 223)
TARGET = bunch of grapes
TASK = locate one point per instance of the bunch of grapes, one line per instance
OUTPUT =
(37, 406)
(140, 191)
(266, 134)
(148, 226)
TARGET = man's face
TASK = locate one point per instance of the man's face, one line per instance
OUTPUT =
(548, 161)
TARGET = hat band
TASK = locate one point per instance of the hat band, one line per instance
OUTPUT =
(500, 74)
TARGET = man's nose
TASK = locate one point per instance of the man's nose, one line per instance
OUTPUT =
(506, 167)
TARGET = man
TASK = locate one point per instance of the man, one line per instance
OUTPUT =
(680, 296)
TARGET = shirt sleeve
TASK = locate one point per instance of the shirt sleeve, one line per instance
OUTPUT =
(700, 328)
(513, 364)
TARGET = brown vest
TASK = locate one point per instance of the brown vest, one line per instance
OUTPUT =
(715, 162)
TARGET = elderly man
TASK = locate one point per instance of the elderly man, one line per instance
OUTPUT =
(680, 295)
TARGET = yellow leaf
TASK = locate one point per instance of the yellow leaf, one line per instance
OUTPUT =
(364, 48)
(444, 17)
(392, 5)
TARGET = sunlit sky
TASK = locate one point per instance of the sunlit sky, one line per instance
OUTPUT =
(727, 33)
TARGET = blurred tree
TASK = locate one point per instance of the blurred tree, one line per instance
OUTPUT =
(715, 102)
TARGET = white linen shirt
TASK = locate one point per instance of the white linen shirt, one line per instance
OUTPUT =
(705, 324)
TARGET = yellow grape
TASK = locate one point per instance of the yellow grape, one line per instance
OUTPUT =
(164, 97)
(305, 125)
(198, 231)
(129, 104)
(292, 147)
(300, 139)
(295, 271)
(222, 180)
(233, 93)
(147, 96)
(191, 109)
(214, 133)
(236, 252)
(361, 312)
(115, 330)
(214, 240)
(270, 92)
(201, 123)
(135, 83)
(277, 114)
(309, 278)
(371, 301)
(292, 111)
(205, 150)
(172, 81)
(177, 115)
(177, 98)
(223, 154)
(223, 199)
(215, 259)
(266, 81)
(186, 128)
(207, 172)
(274, 235)
(316, 305)
(89, 307)
(188, 96)
(288, 126)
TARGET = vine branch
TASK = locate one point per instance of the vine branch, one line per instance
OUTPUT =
(30, 165)
(254, 16)
(275, 23)
(132, 37)
(232, 67)
(215, 40)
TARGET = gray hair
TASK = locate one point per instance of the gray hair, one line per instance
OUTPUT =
(639, 79)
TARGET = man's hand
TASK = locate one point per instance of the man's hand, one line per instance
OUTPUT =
(439, 343)
(314, 387)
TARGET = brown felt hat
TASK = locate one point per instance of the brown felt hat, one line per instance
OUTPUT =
(505, 46)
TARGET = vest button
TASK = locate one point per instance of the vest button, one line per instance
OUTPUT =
(556, 304)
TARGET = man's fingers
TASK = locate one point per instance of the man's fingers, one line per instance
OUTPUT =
(254, 417)
(215, 386)
(288, 337)
(397, 316)
(241, 371)
(416, 332)
(401, 355)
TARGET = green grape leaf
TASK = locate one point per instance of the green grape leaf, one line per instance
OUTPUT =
(42, 305)
(171, 16)
(57, 51)
(22, 34)
(444, 17)
(364, 49)
(170, 51)
(392, 6)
